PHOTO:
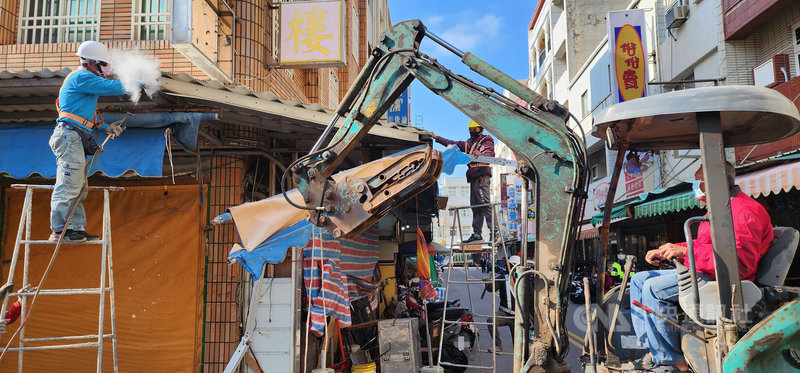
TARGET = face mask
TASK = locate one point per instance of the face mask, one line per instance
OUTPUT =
(474, 134)
(621, 256)
(106, 70)
(698, 193)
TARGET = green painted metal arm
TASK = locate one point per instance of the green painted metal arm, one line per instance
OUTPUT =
(550, 157)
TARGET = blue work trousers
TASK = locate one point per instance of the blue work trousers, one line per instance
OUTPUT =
(70, 175)
(659, 291)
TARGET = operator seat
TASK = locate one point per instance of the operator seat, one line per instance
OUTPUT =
(772, 270)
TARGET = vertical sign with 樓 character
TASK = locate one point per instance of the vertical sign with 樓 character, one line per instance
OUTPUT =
(399, 112)
(626, 43)
(312, 34)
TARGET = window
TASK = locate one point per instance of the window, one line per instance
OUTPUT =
(585, 104)
(796, 39)
(463, 192)
(151, 20)
(333, 89)
(276, 30)
(58, 21)
(354, 25)
(597, 163)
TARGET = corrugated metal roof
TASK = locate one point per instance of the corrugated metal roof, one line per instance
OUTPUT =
(29, 96)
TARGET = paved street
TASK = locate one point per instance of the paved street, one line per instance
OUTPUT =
(575, 325)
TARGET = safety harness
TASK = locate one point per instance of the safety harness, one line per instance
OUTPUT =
(476, 145)
(98, 119)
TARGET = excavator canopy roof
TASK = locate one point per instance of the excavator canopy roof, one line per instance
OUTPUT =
(749, 115)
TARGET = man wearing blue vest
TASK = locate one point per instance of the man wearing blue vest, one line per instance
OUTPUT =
(72, 138)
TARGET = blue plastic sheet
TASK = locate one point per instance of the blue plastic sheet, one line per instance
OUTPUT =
(185, 126)
(451, 158)
(273, 250)
(25, 151)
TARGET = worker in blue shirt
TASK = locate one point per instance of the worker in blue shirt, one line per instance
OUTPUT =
(72, 138)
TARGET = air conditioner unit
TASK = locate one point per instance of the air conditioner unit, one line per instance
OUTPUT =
(772, 71)
(677, 16)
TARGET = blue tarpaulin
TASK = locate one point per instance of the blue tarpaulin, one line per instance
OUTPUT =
(273, 250)
(25, 148)
(25, 151)
(453, 157)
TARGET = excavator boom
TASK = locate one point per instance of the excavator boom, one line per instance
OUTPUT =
(551, 160)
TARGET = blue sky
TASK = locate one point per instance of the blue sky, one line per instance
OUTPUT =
(495, 31)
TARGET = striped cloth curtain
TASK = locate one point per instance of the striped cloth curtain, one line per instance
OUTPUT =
(338, 270)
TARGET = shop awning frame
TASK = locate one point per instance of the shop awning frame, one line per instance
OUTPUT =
(773, 180)
(618, 213)
(674, 203)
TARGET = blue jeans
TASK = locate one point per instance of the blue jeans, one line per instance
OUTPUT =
(659, 291)
(70, 175)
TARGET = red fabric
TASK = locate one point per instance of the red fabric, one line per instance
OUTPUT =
(752, 229)
(13, 312)
(609, 282)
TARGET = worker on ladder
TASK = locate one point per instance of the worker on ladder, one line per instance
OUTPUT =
(72, 138)
(478, 175)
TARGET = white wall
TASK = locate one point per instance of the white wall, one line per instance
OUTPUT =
(457, 191)
(694, 40)
(776, 37)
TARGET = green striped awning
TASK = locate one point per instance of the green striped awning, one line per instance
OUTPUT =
(673, 203)
(616, 213)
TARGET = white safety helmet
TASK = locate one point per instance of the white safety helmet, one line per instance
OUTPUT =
(514, 260)
(94, 50)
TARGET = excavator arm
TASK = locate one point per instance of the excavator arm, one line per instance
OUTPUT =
(551, 161)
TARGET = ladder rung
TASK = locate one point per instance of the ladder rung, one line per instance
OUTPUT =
(57, 347)
(472, 243)
(48, 242)
(470, 282)
(43, 186)
(66, 338)
(496, 353)
(467, 322)
(497, 316)
(465, 365)
(61, 291)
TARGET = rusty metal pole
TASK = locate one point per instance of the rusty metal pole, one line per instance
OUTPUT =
(718, 196)
(520, 331)
(588, 302)
(622, 146)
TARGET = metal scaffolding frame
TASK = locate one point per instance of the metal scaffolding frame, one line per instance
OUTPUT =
(496, 242)
(28, 291)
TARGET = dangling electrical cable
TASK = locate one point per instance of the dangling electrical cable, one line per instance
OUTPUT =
(168, 145)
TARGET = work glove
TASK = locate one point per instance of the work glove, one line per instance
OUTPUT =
(115, 129)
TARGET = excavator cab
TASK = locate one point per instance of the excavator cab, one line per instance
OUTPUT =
(729, 325)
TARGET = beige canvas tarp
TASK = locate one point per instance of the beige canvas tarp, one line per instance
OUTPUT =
(157, 273)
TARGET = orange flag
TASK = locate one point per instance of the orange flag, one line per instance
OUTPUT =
(423, 266)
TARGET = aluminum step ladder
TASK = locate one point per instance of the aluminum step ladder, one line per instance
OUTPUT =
(496, 242)
(26, 292)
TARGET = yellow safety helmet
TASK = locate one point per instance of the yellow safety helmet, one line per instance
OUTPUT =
(474, 124)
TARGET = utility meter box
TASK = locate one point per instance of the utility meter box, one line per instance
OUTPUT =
(399, 345)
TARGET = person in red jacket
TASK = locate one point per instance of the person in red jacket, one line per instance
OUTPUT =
(659, 289)
(478, 175)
